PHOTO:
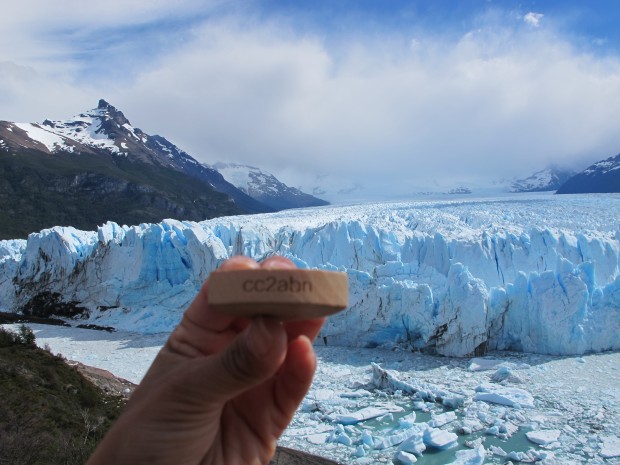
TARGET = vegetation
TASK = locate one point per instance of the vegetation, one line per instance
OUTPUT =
(49, 413)
(38, 191)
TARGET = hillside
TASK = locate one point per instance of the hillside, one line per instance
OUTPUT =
(47, 403)
(84, 190)
(95, 168)
(65, 408)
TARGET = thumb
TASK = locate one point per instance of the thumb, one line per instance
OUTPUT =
(253, 357)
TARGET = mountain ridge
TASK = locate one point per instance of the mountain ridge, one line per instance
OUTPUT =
(97, 167)
(548, 179)
(265, 187)
(600, 177)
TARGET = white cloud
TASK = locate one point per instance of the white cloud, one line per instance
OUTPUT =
(397, 114)
(533, 19)
(461, 110)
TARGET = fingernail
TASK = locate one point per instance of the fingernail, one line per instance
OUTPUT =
(260, 338)
(239, 262)
(277, 263)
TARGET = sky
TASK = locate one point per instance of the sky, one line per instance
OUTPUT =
(395, 96)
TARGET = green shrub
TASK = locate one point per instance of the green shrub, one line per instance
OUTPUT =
(49, 414)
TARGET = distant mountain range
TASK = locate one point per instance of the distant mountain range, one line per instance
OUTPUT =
(549, 179)
(265, 187)
(97, 167)
(601, 177)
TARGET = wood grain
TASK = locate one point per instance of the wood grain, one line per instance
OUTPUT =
(285, 294)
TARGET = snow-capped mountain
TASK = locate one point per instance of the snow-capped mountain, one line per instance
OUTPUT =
(549, 179)
(97, 167)
(603, 176)
(265, 187)
(106, 128)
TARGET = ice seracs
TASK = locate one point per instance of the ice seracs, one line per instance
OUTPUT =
(536, 274)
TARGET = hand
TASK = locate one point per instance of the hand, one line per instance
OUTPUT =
(221, 391)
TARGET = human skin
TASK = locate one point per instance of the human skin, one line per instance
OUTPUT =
(220, 392)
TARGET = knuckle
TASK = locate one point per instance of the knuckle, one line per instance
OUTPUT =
(240, 364)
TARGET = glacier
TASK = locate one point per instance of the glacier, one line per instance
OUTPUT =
(529, 272)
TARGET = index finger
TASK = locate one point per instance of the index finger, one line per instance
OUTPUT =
(203, 331)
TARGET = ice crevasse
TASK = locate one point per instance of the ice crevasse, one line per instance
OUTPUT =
(535, 274)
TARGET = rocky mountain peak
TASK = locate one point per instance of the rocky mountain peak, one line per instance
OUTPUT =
(108, 112)
(103, 105)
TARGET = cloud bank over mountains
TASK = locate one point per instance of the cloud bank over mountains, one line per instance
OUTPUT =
(388, 108)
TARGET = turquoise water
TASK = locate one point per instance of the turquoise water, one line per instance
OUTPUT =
(518, 442)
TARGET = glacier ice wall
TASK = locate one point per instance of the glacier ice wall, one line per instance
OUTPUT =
(536, 273)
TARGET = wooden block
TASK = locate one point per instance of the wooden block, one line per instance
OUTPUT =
(286, 294)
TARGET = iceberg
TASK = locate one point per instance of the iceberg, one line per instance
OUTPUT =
(440, 439)
(543, 437)
(510, 396)
(535, 273)
(610, 447)
(367, 413)
(470, 457)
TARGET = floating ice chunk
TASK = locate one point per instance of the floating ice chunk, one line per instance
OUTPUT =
(306, 430)
(443, 419)
(360, 451)
(610, 447)
(497, 394)
(496, 450)
(407, 421)
(504, 373)
(322, 394)
(340, 435)
(398, 437)
(309, 405)
(414, 444)
(473, 444)
(484, 364)
(502, 429)
(387, 379)
(317, 439)
(420, 405)
(453, 402)
(520, 456)
(470, 457)
(543, 437)
(545, 457)
(439, 438)
(367, 438)
(366, 414)
(406, 458)
(355, 394)
(389, 418)
(470, 425)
